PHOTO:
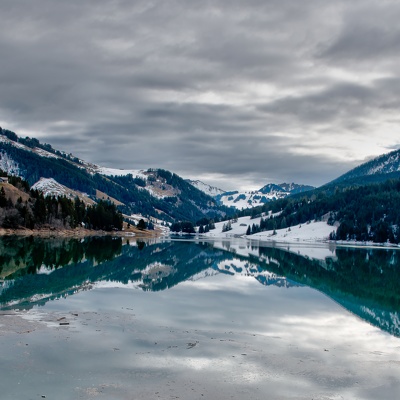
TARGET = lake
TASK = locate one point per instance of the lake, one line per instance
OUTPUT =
(111, 318)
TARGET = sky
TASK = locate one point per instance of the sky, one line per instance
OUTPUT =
(237, 94)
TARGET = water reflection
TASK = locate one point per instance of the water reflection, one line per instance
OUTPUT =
(34, 271)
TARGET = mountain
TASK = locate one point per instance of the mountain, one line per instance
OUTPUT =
(269, 192)
(50, 187)
(386, 166)
(154, 192)
(207, 189)
(294, 188)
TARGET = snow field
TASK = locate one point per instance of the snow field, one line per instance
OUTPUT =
(316, 231)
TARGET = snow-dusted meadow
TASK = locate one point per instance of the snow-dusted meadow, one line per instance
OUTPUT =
(314, 231)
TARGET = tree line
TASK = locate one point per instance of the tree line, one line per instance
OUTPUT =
(366, 213)
(191, 204)
(59, 212)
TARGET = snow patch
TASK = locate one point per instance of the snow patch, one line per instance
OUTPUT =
(205, 188)
(121, 172)
(8, 165)
(315, 231)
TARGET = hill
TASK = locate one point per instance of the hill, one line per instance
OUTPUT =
(154, 192)
(22, 207)
(204, 187)
(268, 193)
(386, 166)
(368, 213)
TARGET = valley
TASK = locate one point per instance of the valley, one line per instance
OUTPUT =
(359, 206)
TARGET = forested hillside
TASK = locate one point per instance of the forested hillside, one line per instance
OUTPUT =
(157, 193)
(21, 207)
(366, 213)
(377, 170)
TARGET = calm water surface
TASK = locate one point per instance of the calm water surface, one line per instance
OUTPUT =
(105, 318)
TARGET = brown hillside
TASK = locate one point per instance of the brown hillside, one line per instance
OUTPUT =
(14, 193)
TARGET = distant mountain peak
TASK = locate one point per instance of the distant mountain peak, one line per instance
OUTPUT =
(384, 165)
(272, 188)
(267, 193)
(207, 189)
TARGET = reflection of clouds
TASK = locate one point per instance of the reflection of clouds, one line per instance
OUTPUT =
(313, 364)
(218, 284)
(251, 341)
(335, 328)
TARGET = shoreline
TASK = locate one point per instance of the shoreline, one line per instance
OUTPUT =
(76, 233)
(135, 233)
(303, 242)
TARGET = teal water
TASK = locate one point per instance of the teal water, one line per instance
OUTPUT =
(107, 318)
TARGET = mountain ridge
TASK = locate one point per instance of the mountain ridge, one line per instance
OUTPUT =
(385, 165)
(154, 192)
(160, 193)
(268, 193)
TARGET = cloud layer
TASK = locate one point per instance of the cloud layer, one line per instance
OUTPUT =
(236, 94)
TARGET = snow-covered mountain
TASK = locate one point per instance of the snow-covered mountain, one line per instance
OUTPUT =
(249, 199)
(154, 192)
(50, 187)
(382, 167)
(269, 192)
(7, 164)
(207, 189)
(291, 188)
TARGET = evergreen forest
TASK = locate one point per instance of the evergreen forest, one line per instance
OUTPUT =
(37, 211)
(361, 213)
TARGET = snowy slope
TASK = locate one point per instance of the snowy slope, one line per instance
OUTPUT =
(121, 172)
(385, 164)
(207, 189)
(50, 187)
(317, 231)
(269, 192)
(242, 200)
(7, 164)
(249, 199)
(37, 150)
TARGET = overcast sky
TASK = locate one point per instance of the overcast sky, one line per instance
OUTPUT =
(235, 93)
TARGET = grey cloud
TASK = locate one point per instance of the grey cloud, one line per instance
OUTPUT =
(341, 100)
(200, 88)
(370, 32)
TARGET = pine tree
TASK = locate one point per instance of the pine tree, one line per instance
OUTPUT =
(141, 225)
(3, 200)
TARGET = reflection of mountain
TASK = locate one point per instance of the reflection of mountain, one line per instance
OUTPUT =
(35, 271)
(385, 319)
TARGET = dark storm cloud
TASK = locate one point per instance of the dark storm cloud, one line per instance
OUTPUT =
(370, 31)
(238, 93)
(340, 100)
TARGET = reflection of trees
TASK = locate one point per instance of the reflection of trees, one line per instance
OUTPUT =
(356, 278)
(370, 275)
(97, 261)
(21, 256)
